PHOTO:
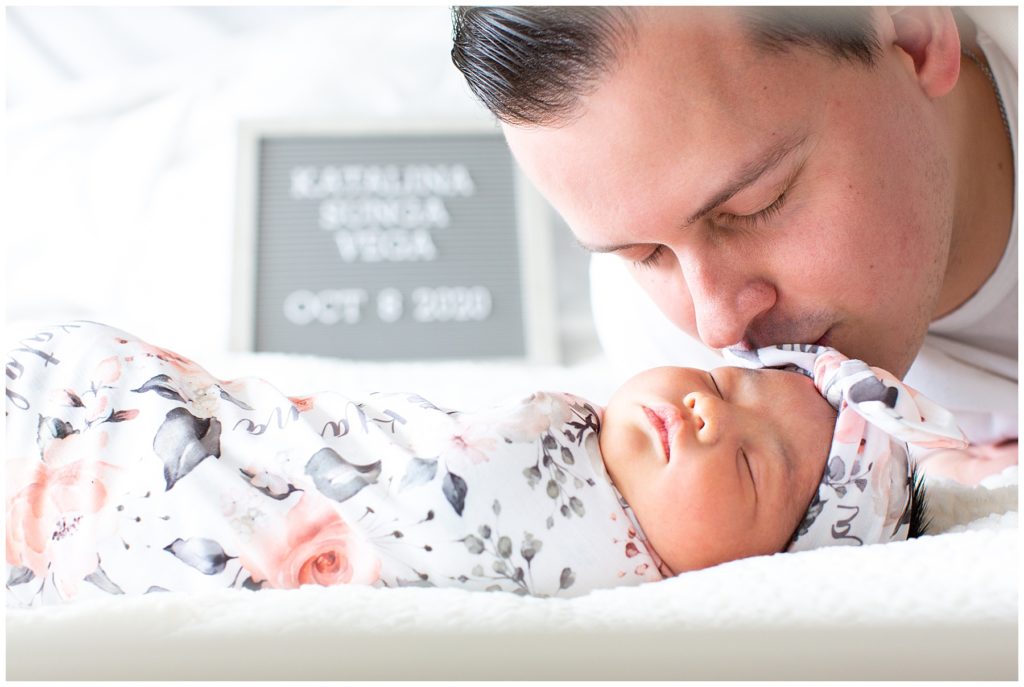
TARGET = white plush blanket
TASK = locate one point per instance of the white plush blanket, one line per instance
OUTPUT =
(940, 607)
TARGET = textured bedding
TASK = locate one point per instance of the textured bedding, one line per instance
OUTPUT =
(939, 607)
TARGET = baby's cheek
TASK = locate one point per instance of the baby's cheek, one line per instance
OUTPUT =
(622, 449)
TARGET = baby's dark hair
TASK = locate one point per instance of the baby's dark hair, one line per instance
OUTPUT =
(915, 515)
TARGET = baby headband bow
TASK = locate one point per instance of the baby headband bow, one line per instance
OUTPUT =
(864, 494)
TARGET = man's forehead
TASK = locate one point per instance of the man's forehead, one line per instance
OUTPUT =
(676, 121)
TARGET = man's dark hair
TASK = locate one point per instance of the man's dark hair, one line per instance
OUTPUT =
(531, 65)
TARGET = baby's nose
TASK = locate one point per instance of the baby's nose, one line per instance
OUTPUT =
(706, 413)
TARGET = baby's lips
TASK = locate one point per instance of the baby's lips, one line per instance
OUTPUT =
(666, 420)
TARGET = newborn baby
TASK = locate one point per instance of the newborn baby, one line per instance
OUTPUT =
(131, 470)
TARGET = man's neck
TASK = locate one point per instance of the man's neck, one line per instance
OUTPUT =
(985, 182)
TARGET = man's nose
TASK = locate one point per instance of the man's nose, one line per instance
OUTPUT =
(726, 297)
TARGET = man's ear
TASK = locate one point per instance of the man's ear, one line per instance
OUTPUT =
(929, 36)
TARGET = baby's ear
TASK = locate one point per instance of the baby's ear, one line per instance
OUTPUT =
(929, 36)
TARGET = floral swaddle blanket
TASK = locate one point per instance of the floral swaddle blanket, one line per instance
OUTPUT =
(132, 470)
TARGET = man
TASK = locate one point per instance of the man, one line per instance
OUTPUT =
(842, 176)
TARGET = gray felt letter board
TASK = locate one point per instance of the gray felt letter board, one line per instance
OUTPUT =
(402, 244)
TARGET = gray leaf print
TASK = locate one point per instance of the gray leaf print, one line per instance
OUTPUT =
(19, 575)
(100, 579)
(231, 399)
(454, 489)
(566, 579)
(567, 456)
(154, 589)
(484, 531)
(856, 466)
(504, 547)
(813, 511)
(500, 566)
(205, 555)
(473, 543)
(337, 478)
(277, 496)
(419, 471)
(836, 469)
(530, 547)
(74, 400)
(872, 389)
(53, 428)
(251, 584)
(163, 386)
(496, 507)
(552, 489)
(532, 475)
(418, 582)
(121, 415)
(184, 441)
(576, 505)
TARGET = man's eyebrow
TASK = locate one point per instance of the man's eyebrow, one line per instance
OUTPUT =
(750, 173)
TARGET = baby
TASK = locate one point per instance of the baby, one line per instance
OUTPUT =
(131, 470)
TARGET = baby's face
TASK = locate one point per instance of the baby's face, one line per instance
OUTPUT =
(716, 466)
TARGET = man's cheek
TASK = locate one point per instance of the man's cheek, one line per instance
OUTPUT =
(668, 291)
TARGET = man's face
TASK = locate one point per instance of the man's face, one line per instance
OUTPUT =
(759, 198)
(716, 466)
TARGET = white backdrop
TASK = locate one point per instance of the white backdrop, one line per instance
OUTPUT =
(121, 142)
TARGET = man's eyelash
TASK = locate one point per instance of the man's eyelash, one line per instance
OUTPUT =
(753, 220)
(652, 259)
(764, 215)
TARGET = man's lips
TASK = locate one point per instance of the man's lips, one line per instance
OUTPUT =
(753, 342)
(665, 420)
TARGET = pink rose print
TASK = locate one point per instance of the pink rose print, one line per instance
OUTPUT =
(888, 475)
(107, 371)
(314, 546)
(179, 363)
(53, 516)
(825, 363)
(850, 428)
(474, 444)
(302, 403)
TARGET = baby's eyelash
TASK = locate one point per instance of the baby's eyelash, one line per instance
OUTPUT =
(652, 259)
(714, 382)
(753, 481)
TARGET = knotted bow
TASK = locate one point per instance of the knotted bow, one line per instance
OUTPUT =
(865, 491)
